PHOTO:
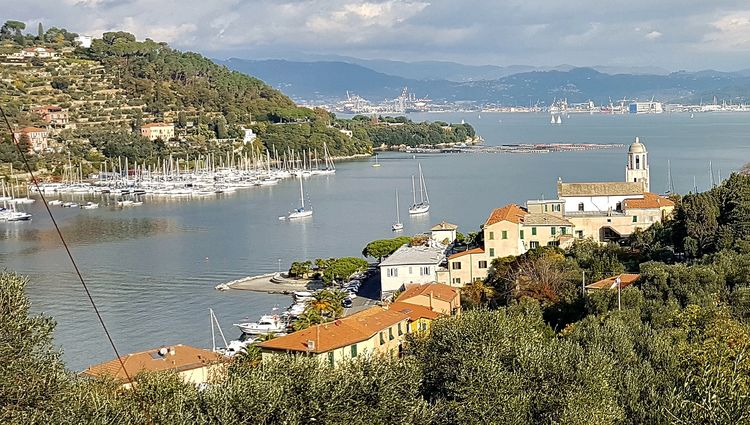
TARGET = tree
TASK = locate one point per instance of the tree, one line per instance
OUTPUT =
(12, 29)
(382, 248)
(478, 292)
(342, 268)
(32, 374)
(40, 32)
(181, 119)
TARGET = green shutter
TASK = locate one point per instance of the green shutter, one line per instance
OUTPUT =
(635, 219)
(354, 350)
(505, 234)
(492, 252)
(521, 234)
(553, 230)
(330, 358)
(533, 231)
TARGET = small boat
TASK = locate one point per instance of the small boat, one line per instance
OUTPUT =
(266, 324)
(13, 215)
(398, 225)
(302, 296)
(424, 199)
(55, 202)
(90, 206)
(300, 212)
(125, 203)
(376, 164)
(559, 120)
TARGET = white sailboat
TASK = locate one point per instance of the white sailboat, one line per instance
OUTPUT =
(376, 164)
(398, 225)
(551, 119)
(558, 120)
(330, 167)
(300, 212)
(424, 199)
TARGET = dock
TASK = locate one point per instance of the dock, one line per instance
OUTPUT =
(270, 283)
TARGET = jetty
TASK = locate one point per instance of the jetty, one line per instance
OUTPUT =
(271, 283)
(525, 148)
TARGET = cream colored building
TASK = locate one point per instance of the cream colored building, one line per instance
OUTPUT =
(158, 130)
(444, 233)
(376, 330)
(467, 266)
(37, 138)
(193, 365)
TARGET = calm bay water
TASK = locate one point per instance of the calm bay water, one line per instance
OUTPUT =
(152, 269)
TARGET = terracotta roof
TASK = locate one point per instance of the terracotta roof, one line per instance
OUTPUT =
(650, 200)
(626, 279)
(178, 358)
(439, 291)
(157, 124)
(467, 252)
(31, 130)
(545, 220)
(340, 333)
(444, 226)
(510, 212)
(599, 189)
(413, 311)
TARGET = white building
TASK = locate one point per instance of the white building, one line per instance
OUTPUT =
(84, 41)
(410, 264)
(249, 136)
(443, 232)
(599, 198)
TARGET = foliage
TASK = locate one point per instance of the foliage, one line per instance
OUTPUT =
(342, 268)
(382, 248)
(400, 131)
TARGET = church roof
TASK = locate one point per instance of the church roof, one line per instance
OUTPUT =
(637, 147)
(600, 189)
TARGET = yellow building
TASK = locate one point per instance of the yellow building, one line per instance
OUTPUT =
(193, 365)
(158, 130)
(373, 331)
(420, 317)
(467, 266)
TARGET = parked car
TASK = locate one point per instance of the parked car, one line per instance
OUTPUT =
(352, 295)
(347, 303)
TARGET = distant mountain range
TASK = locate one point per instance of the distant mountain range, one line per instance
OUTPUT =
(515, 85)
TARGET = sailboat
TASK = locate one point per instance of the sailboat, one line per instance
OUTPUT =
(398, 225)
(558, 120)
(424, 200)
(551, 119)
(329, 168)
(376, 164)
(300, 212)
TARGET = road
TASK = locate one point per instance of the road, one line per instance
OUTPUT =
(368, 295)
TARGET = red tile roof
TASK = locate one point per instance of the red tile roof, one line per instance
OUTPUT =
(157, 124)
(340, 333)
(467, 252)
(650, 200)
(510, 212)
(31, 130)
(439, 291)
(414, 311)
(626, 279)
(178, 358)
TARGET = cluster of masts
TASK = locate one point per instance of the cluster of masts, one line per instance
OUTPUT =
(204, 175)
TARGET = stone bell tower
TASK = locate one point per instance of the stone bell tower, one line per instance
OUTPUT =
(636, 169)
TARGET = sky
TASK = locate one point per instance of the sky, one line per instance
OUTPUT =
(671, 34)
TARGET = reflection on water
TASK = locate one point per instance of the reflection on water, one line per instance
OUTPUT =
(152, 269)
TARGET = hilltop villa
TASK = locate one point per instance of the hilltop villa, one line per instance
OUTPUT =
(158, 130)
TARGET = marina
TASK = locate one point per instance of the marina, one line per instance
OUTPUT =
(153, 268)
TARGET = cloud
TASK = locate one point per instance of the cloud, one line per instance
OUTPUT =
(536, 32)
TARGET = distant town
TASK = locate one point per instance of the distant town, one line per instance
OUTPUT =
(408, 102)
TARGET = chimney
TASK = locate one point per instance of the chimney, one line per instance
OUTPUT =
(430, 300)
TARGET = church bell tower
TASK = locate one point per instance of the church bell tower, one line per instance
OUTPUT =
(637, 168)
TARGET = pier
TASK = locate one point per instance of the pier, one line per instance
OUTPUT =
(271, 283)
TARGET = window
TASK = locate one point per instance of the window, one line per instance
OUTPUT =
(637, 162)
(521, 234)
(545, 207)
(354, 350)
(534, 244)
(456, 280)
(392, 272)
(492, 252)
(553, 243)
(424, 271)
(533, 231)
(553, 230)
(563, 230)
(410, 272)
(330, 358)
(558, 207)
(390, 334)
(579, 233)
(492, 236)
(400, 332)
(456, 265)
(618, 206)
(505, 234)
(635, 219)
(382, 338)
(422, 326)
(580, 206)
(483, 264)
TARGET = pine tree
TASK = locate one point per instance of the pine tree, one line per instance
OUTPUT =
(40, 32)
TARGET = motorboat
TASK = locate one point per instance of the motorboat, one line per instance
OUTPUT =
(90, 206)
(266, 324)
(55, 202)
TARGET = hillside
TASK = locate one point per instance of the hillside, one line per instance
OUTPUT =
(108, 91)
